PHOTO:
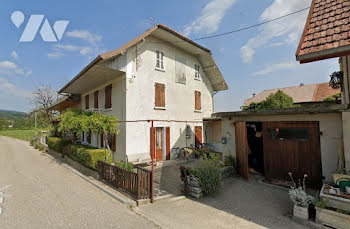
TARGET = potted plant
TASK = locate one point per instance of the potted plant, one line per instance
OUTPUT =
(300, 198)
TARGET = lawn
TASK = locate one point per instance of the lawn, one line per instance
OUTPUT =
(26, 135)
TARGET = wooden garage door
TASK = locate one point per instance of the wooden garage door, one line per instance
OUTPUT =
(292, 147)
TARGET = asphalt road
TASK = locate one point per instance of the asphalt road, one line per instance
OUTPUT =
(40, 193)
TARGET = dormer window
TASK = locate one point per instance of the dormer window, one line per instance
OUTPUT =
(160, 60)
(196, 73)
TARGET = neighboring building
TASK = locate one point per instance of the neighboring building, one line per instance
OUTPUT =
(161, 76)
(304, 95)
(327, 35)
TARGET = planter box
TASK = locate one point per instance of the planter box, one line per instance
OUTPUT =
(301, 212)
(332, 218)
(335, 202)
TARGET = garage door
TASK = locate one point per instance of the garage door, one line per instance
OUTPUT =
(292, 147)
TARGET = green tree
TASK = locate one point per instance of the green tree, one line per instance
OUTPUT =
(333, 98)
(276, 100)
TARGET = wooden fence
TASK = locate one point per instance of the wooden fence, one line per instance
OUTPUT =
(136, 184)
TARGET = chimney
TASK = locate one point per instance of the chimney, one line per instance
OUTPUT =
(302, 84)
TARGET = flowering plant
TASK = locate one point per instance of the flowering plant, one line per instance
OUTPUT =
(297, 193)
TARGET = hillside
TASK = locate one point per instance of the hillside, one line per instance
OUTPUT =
(18, 119)
(13, 114)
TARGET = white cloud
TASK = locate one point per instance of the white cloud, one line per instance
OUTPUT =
(14, 55)
(210, 17)
(288, 30)
(54, 55)
(85, 35)
(83, 50)
(8, 89)
(10, 68)
(277, 67)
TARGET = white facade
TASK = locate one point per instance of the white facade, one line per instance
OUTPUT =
(133, 98)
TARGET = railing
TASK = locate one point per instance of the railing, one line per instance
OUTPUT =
(136, 184)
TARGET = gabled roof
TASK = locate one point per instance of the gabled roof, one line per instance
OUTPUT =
(327, 31)
(300, 94)
(170, 36)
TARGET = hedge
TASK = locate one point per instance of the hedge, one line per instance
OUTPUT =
(86, 156)
(57, 144)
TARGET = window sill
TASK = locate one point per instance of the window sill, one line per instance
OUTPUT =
(107, 109)
(159, 69)
(160, 108)
(198, 111)
(198, 79)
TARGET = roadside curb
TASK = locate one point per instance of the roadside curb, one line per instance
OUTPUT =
(98, 184)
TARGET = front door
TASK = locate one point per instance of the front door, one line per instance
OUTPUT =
(242, 148)
(159, 144)
(198, 135)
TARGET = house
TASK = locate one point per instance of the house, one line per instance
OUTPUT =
(303, 95)
(327, 35)
(159, 84)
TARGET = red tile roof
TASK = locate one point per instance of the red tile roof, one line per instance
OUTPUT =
(327, 31)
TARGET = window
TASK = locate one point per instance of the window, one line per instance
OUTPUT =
(196, 74)
(159, 95)
(87, 105)
(88, 137)
(180, 69)
(96, 100)
(112, 142)
(102, 141)
(160, 60)
(108, 97)
(298, 134)
(197, 101)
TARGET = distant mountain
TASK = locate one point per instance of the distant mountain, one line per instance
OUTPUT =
(13, 114)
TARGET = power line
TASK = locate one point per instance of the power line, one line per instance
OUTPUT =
(237, 30)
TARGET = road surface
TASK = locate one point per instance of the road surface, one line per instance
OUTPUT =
(40, 193)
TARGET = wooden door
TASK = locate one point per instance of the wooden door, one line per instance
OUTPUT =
(198, 135)
(159, 144)
(242, 148)
(168, 143)
(292, 147)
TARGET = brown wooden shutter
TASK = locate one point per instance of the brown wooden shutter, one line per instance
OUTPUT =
(159, 95)
(113, 143)
(102, 141)
(167, 143)
(89, 137)
(96, 99)
(198, 104)
(108, 97)
(87, 102)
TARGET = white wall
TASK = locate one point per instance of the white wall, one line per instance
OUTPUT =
(330, 126)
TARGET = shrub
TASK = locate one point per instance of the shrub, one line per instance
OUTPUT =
(86, 155)
(209, 177)
(57, 144)
(125, 165)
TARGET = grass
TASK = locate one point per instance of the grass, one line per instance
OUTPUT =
(25, 135)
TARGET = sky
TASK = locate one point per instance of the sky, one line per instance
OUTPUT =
(250, 61)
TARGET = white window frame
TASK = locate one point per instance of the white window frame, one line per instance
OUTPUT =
(161, 60)
(197, 74)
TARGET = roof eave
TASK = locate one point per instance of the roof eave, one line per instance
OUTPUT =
(324, 54)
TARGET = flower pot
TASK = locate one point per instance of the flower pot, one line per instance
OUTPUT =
(301, 212)
(332, 219)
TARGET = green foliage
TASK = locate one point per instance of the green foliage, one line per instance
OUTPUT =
(276, 100)
(213, 158)
(57, 144)
(320, 203)
(230, 161)
(25, 135)
(125, 165)
(209, 177)
(333, 98)
(71, 122)
(85, 155)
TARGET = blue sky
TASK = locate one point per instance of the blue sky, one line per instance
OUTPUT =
(251, 61)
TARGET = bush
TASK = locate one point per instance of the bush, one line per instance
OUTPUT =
(57, 144)
(86, 155)
(125, 165)
(209, 177)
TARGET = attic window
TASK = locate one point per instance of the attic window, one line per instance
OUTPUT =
(196, 74)
(159, 60)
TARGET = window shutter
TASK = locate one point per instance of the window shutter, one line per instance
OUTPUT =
(102, 141)
(87, 102)
(159, 95)
(112, 142)
(89, 137)
(96, 99)
(198, 105)
(108, 97)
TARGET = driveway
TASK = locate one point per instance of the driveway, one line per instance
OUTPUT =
(40, 193)
(240, 204)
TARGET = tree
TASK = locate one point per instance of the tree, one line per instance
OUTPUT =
(75, 122)
(276, 100)
(43, 97)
